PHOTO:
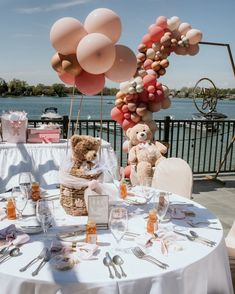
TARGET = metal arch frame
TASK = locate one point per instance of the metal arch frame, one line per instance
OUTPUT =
(228, 48)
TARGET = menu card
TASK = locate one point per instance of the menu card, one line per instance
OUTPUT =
(98, 210)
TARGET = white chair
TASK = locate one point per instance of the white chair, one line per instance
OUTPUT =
(174, 175)
(230, 244)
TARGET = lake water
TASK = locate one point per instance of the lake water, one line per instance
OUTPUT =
(180, 109)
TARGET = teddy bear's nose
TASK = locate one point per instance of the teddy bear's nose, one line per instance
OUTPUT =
(142, 134)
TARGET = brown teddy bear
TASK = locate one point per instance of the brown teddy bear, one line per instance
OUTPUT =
(84, 152)
(144, 154)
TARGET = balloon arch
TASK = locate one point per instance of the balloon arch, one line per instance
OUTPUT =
(87, 54)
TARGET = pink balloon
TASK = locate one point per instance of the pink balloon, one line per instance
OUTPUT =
(125, 146)
(143, 96)
(154, 106)
(104, 21)
(147, 64)
(156, 33)
(146, 40)
(127, 123)
(149, 80)
(67, 78)
(159, 96)
(89, 84)
(96, 53)
(161, 21)
(127, 171)
(117, 115)
(65, 35)
(125, 108)
(151, 26)
(127, 115)
(124, 66)
(193, 49)
(194, 36)
(151, 89)
(180, 50)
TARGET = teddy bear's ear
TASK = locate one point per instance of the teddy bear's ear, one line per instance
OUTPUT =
(128, 131)
(75, 139)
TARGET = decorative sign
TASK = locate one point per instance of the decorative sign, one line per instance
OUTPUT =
(98, 210)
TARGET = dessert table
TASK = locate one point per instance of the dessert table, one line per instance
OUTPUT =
(193, 267)
(41, 160)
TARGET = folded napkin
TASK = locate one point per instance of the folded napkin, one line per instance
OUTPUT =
(138, 191)
(177, 213)
(86, 250)
(162, 240)
(13, 236)
(61, 247)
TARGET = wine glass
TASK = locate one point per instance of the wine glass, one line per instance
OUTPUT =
(146, 184)
(118, 222)
(25, 181)
(162, 205)
(44, 214)
(20, 196)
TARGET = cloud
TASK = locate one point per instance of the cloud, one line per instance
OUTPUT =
(57, 6)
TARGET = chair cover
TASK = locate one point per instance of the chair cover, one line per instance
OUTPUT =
(174, 175)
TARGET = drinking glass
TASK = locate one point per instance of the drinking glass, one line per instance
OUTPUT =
(44, 214)
(118, 222)
(146, 184)
(25, 181)
(162, 205)
(20, 196)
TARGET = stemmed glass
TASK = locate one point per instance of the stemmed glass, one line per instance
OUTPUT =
(44, 214)
(25, 181)
(20, 196)
(118, 223)
(146, 184)
(162, 205)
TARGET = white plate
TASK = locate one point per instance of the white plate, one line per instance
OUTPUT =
(136, 200)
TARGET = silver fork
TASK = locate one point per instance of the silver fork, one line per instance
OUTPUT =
(138, 252)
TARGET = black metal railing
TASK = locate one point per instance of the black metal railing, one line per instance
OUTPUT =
(201, 143)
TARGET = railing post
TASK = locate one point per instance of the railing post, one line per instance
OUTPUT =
(65, 126)
(167, 130)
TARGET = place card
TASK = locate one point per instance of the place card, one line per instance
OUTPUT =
(98, 210)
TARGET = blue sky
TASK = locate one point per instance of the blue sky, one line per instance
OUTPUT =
(26, 51)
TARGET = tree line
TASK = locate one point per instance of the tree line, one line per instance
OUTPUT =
(17, 87)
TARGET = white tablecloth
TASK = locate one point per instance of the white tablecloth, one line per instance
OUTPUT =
(42, 160)
(197, 269)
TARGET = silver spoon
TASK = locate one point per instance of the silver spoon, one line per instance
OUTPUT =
(12, 253)
(117, 274)
(40, 256)
(119, 261)
(46, 258)
(194, 234)
(106, 262)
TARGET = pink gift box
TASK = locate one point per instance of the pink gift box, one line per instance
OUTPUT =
(14, 131)
(43, 135)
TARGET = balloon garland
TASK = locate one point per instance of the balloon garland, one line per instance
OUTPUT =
(142, 95)
(88, 53)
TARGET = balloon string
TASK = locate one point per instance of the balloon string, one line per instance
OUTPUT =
(101, 118)
(78, 115)
(70, 117)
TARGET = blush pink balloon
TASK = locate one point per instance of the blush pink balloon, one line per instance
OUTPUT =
(149, 80)
(127, 171)
(161, 21)
(89, 84)
(151, 89)
(166, 103)
(194, 36)
(67, 78)
(147, 64)
(127, 123)
(65, 35)
(96, 53)
(184, 28)
(125, 146)
(117, 115)
(124, 66)
(193, 49)
(104, 21)
(156, 33)
(146, 40)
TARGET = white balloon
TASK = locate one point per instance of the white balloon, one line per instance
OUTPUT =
(173, 23)
(131, 90)
(151, 72)
(138, 80)
(124, 87)
(139, 88)
(150, 53)
(184, 28)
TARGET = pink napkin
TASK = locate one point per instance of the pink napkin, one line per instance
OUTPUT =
(13, 236)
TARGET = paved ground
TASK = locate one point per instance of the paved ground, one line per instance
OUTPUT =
(217, 196)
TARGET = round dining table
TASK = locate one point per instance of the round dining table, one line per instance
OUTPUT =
(194, 267)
